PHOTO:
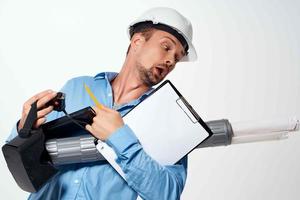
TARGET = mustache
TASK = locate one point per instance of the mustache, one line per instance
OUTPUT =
(164, 67)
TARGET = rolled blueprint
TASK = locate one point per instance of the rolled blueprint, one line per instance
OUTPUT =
(82, 148)
(254, 131)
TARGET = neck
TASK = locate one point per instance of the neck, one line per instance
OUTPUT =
(127, 85)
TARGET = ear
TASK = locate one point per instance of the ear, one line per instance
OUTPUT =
(137, 40)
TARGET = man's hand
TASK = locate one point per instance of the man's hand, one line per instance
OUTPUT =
(42, 98)
(105, 123)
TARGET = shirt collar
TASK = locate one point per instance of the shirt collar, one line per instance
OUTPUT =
(111, 75)
(108, 75)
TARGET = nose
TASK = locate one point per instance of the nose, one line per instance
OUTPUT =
(170, 61)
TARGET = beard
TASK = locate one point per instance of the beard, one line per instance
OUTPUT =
(147, 76)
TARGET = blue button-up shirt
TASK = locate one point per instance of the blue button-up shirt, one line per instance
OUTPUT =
(144, 176)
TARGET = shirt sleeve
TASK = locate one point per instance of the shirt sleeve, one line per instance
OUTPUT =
(13, 133)
(143, 174)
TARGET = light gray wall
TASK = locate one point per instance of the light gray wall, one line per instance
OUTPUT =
(248, 69)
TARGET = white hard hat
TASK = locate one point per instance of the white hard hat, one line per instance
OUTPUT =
(169, 17)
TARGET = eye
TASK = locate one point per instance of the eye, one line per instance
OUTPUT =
(166, 47)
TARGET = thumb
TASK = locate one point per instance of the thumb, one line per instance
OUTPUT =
(103, 107)
(100, 108)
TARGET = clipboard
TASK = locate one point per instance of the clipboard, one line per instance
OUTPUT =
(166, 125)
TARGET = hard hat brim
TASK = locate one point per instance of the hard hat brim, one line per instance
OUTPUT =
(192, 54)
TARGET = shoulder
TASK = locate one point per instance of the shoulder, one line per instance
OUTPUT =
(76, 83)
(80, 79)
(94, 82)
(92, 79)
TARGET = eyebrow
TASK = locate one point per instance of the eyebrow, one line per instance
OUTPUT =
(182, 52)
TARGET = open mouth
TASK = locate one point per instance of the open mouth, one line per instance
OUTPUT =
(160, 70)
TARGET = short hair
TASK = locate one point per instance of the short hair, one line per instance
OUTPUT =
(147, 27)
(146, 31)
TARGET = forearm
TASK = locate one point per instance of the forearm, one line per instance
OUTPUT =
(146, 176)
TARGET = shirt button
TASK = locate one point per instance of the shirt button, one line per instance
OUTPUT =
(109, 94)
(76, 181)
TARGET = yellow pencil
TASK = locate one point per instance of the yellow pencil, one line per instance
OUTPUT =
(97, 103)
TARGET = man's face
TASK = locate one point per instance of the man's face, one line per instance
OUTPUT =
(157, 57)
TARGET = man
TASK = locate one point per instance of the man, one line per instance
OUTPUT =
(159, 39)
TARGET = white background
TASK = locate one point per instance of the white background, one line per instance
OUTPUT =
(248, 69)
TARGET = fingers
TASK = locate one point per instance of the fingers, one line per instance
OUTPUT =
(102, 109)
(89, 128)
(98, 110)
(92, 130)
(38, 96)
(44, 112)
(104, 123)
(42, 98)
(45, 99)
(39, 122)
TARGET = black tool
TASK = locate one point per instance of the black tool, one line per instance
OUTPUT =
(58, 102)
(26, 156)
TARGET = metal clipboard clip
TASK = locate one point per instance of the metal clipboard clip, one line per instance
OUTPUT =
(188, 110)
